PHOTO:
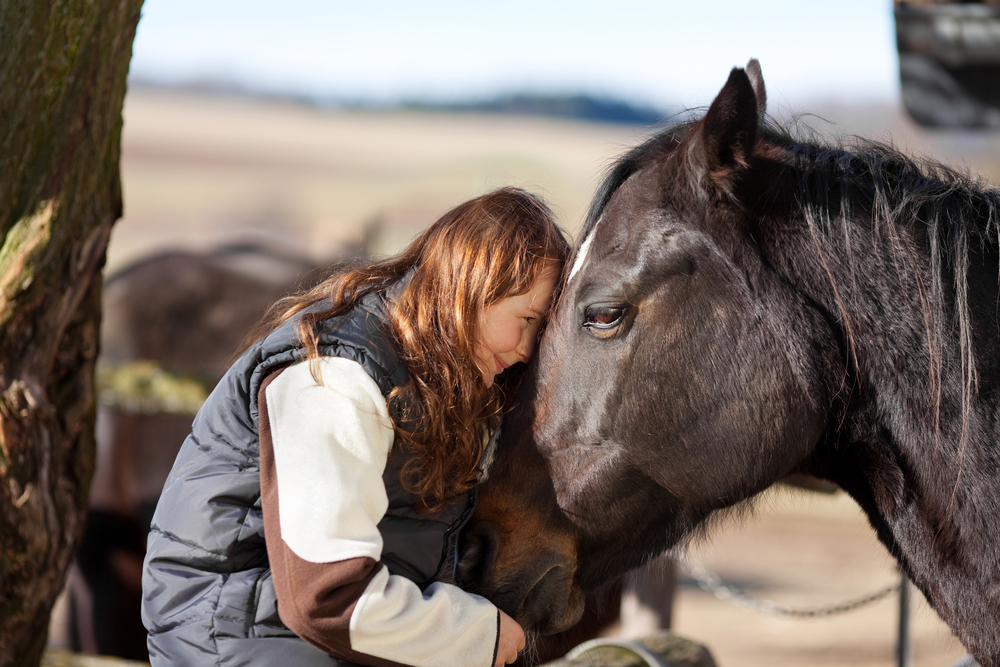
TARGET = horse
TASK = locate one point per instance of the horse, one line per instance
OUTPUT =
(743, 305)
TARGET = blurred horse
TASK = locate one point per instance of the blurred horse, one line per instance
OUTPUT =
(171, 322)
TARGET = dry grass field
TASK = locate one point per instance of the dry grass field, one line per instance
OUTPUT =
(199, 170)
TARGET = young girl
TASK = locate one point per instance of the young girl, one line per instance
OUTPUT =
(350, 435)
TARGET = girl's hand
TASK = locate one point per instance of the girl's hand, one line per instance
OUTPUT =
(511, 640)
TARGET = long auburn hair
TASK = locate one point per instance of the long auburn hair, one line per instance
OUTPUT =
(484, 250)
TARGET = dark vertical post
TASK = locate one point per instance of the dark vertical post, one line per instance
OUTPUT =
(904, 652)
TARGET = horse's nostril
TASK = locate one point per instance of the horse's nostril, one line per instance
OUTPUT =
(553, 602)
(477, 548)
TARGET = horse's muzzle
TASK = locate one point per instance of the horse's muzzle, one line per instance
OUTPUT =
(536, 589)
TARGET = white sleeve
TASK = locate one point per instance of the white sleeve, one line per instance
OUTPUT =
(331, 443)
(442, 627)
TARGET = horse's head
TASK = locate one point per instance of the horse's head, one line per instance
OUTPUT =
(668, 384)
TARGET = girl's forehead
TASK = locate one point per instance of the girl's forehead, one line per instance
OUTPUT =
(544, 271)
(550, 270)
(543, 286)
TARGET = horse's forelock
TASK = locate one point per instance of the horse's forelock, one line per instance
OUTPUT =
(620, 171)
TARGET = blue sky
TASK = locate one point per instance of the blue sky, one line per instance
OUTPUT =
(664, 53)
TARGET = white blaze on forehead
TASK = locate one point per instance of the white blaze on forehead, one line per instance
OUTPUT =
(581, 256)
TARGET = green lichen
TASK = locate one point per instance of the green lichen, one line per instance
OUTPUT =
(143, 387)
(17, 271)
(669, 650)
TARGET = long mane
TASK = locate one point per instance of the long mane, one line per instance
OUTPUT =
(954, 213)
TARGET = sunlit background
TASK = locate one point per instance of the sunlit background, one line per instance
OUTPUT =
(350, 66)
(661, 53)
(322, 128)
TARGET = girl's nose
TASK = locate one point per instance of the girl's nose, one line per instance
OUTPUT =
(526, 347)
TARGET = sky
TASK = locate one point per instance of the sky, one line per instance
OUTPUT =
(661, 53)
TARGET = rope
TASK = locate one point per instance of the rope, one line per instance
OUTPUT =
(711, 583)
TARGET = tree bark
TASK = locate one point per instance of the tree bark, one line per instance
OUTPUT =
(63, 66)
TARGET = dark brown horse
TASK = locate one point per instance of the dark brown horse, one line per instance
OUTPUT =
(744, 305)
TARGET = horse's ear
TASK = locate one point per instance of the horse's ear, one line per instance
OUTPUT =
(723, 141)
(757, 81)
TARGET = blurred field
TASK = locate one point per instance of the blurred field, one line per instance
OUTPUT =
(199, 170)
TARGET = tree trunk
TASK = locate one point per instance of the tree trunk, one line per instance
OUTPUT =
(63, 65)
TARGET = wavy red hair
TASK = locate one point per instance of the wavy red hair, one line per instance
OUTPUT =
(476, 254)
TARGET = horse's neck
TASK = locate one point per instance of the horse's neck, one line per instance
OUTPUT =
(931, 474)
(937, 513)
(919, 443)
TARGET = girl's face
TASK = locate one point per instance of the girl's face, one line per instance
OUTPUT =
(508, 328)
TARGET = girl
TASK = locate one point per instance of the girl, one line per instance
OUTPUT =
(350, 435)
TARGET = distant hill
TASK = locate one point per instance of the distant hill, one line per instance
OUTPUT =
(581, 107)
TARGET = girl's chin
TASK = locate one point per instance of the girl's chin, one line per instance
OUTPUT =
(487, 375)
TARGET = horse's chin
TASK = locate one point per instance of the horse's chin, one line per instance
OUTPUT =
(571, 615)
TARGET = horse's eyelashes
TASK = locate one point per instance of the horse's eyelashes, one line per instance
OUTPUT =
(602, 319)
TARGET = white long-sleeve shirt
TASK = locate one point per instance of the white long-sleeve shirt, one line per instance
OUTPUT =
(323, 451)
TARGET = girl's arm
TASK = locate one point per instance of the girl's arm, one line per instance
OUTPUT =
(323, 451)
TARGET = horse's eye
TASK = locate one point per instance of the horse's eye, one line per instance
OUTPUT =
(603, 318)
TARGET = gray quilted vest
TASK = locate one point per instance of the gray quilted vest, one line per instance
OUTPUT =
(208, 598)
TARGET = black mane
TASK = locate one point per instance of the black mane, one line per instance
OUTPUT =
(634, 160)
(904, 188)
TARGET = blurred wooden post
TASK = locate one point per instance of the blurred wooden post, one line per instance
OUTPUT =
(648, 598)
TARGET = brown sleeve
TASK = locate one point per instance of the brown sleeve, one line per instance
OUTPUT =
(315, 600)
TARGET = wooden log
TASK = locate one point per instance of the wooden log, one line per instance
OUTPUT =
(52, 658)
(672, 651)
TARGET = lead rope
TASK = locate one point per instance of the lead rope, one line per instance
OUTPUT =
(711, 583)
